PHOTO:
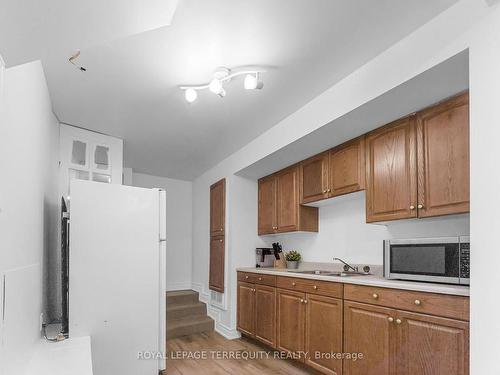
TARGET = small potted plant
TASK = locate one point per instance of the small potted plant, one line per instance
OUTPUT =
(292, 259)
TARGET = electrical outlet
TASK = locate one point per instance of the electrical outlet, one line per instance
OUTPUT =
(41, 322)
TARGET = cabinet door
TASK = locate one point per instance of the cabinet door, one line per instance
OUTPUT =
(291, 319)
(323, 333)
(347, 168)
(287, 200)
(217, 208)
(432, 346)
(265, 314)
(246, 308)
(267, 205)
(216, 274)
(368, 329)
(314, 178)
(391, 176)
(443, 158)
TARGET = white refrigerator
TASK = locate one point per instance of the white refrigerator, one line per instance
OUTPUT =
(117, 275)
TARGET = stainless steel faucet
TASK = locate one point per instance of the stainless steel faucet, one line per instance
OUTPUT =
(347, 266)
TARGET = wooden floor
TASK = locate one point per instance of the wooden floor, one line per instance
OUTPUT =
(212, 345)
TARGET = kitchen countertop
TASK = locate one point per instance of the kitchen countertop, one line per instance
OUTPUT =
(369, 280)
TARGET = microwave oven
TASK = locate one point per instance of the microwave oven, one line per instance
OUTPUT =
(439, 260)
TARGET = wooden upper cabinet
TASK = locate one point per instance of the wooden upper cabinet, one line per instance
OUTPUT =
(368, 329)
(391, 175)
(216, 274)
(217, 208)
(314, 178)
(323, 333)
(443, 158)
(288, 199)
(431, 345)
(267, 205)
(347, 168)
(291, 315)
(279, 207)
(246, 308)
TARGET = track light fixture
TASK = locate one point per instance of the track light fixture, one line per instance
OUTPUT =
(221, 76)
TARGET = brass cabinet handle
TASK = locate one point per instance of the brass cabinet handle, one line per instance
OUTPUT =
(220, 240)
(301, 300)
(221, 229)
(418, 302)
(305, 301)
(420, 206)
(375, 295)
(293, 284)
(246, 277)
(329, 190)
(315, 287)
(412, 207)
(398, 321)
(390, 319)
(260, 278)
(325, 191)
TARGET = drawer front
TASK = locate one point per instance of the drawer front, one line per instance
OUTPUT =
(257, 278)
(444, 305)
(323, 288)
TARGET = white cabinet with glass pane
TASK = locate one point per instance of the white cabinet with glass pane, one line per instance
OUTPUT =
(87, 155)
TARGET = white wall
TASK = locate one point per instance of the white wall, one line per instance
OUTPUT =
(29, 134)
(179, 226)
(344, 233)
(469, 24)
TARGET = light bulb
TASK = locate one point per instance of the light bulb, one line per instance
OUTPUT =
(251, 82)
(215, 86)
(191, 95)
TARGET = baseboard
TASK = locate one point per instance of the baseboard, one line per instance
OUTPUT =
(179, 286)
(224, 330)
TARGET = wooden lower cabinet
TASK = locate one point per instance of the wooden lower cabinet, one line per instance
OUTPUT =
(291, 318)
(257, 312)
(246, 308)
(395, 342)
(265, 314)
(368, 330)
(324, 333)
(430, 345)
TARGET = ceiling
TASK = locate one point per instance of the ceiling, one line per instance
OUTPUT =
(440, 82)
(138, 52)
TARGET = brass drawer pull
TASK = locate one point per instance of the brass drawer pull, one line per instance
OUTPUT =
(315, 287)
(260, 278)
(390, 319)
(418, 302)
(375, 295)
(398, 321)
(293, 284)
(246, 277)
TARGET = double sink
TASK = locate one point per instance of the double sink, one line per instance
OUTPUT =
(332, 273)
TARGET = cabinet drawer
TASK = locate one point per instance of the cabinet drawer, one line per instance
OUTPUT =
(324, 288)
(257, 278)
(448, 306)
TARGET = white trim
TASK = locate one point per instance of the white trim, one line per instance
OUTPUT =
(224, 330)
(203, 295)
(178, 286)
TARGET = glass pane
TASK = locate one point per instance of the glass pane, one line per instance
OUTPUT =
(78, 153)
(99, 177)
(101, 159)
(78, 175)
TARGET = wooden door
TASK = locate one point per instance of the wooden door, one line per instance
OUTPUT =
(287, 200)
(369, 330)
(246, 308)
(314, 178)
(216, 274)
(265, 314)
(267, 205)
(347, 168)
(391, 175)
(323, 333)
(443, 158)
(291, 321)
(429, 345)
(217, 208)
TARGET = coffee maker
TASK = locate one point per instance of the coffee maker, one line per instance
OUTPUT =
(264, 257)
